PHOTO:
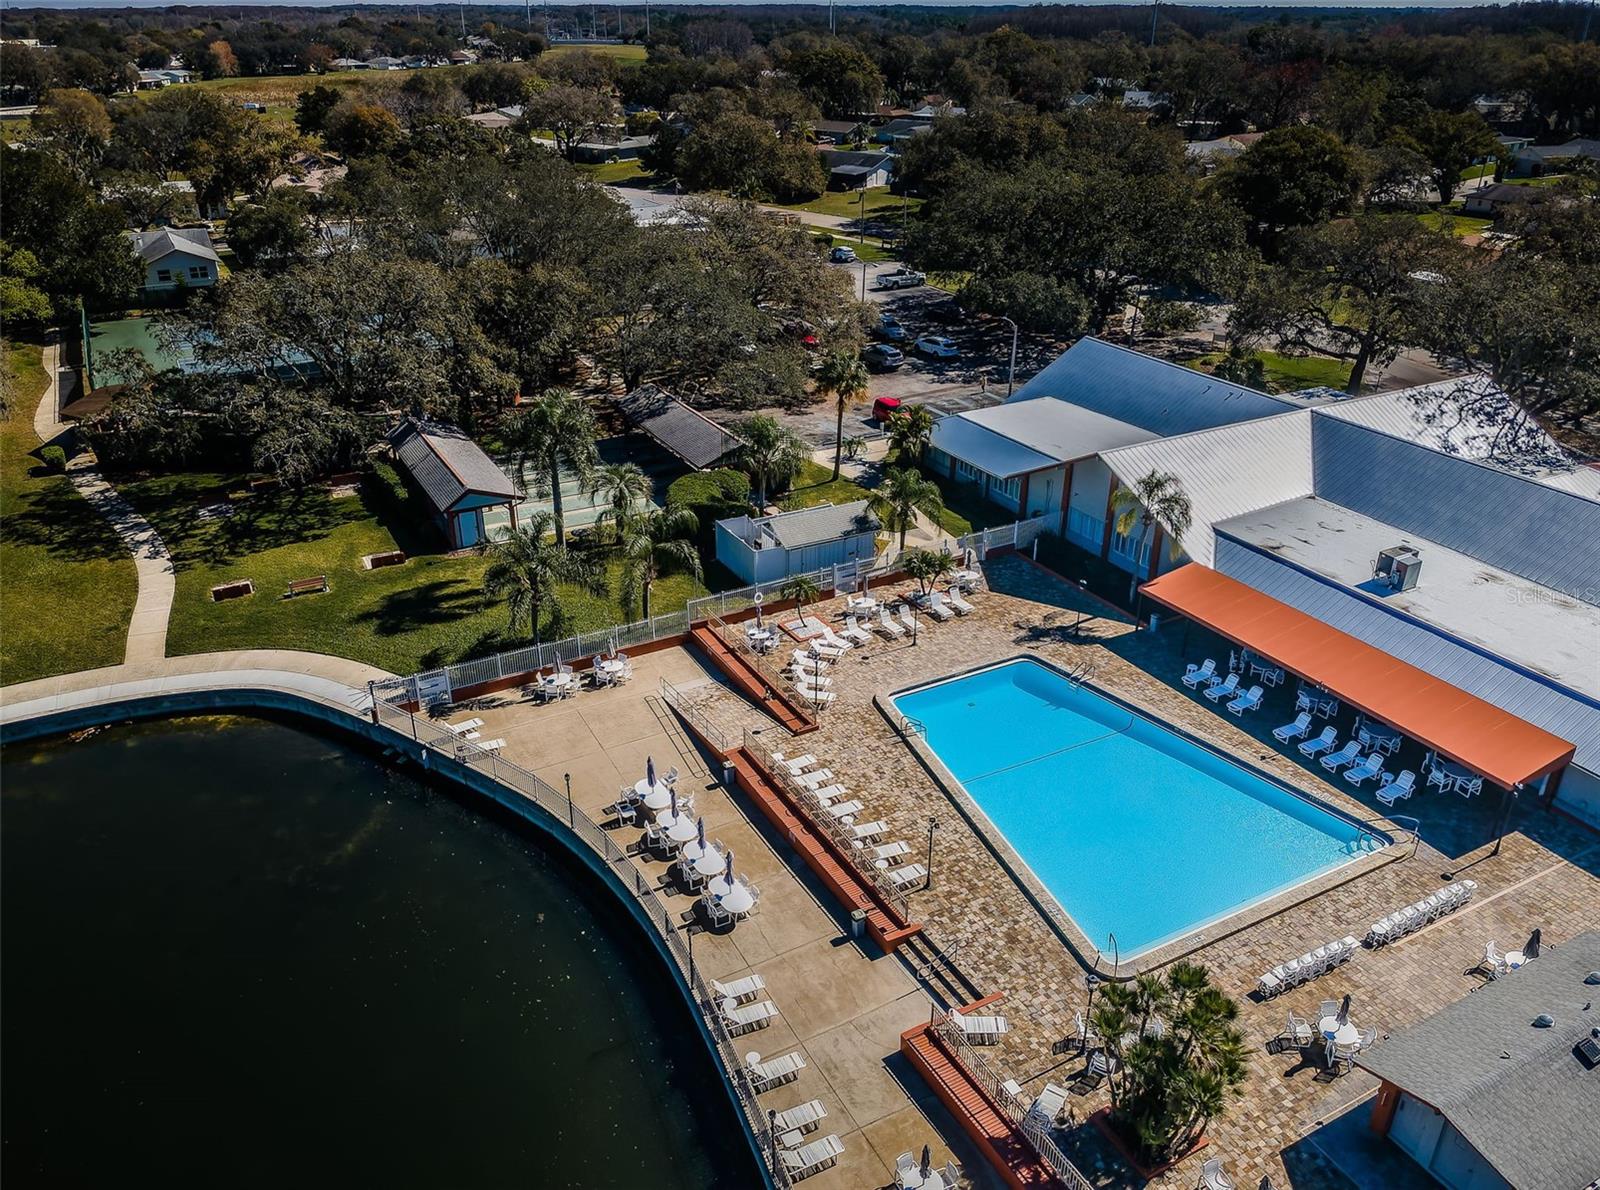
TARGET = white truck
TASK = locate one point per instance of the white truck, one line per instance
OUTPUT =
(901, 278)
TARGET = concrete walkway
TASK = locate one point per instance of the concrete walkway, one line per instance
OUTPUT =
(147, 631)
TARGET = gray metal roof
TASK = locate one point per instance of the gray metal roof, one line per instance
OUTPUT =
(686, 432)
(987, 450)
(1467, 665)
(1150, 393)
(1518, 1093)
(841, 158)
(153, 245)
(1226, 471)
(1534, 530)
(826, 522)
(447, 465)
(1012, 439)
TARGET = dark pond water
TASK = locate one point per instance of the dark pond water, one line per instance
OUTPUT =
(237, 953)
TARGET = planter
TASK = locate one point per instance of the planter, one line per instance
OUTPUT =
(1102, 1120)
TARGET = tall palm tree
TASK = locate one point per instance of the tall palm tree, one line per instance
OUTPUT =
(845, 376)
(1157, 496)
(910, 431)
(556, 431)
(902, 494)
(655, 544)
(623, 487)
(927, 567)
(802, 588)
(527, 566)
(772, 454)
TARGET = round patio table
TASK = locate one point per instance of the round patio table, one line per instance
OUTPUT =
(1515, 959)
(683, 829)
(1337, 1034)
(719, 887)
(655, 797)
(709, 862)
(737, 900)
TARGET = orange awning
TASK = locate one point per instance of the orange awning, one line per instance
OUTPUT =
(1461, 726)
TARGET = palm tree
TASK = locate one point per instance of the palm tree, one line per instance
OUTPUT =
(902, 494)
(772, 454)
(527, 566)
(655, 544)
(910, 430)
(623, 487)
(927, 566)
(556, 431)
(845, 376)
(802, 588)
(1158, 496)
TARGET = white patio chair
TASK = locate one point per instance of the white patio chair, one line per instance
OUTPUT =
(854, 632)
(1335, 761)
(740, 991)
(749, 1017)
(1397, 788)
(1047, 1106)
(1248, 701)
(812, 1158)
(1223, 689)
(765, 1075)
(904, 878)
(817, 695)
(1194, 675)
(938, 608)
(887, 626)
(1366, 770)
(1327, 1008)
(1493, 963)
(803, 1117)
(953, 596)
(908, 619)
(844, 809)
(815, 778)
(865, 832)
(798, 764)
(892, 852)
(624, 812)
(1290, 732)
(1299, 1031)
(1313, 748)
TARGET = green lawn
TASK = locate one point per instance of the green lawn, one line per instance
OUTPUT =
(614, 173)
(1286, 373)
(628, 55)
(426, 612)
(1458, 225)
(67, 585)
(847, 204)
(816, 485)
(869, 249)
(1546, 180)
(1473, 172)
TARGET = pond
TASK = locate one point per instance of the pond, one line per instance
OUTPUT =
(241, 953)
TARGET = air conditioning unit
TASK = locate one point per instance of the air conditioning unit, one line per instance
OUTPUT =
(1399, 567)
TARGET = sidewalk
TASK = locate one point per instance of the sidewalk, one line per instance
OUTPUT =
(147, 631)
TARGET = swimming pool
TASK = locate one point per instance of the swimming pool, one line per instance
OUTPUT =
(1134, 830)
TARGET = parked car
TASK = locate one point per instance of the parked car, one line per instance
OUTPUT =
(937, 347)
(901, 278)
(843, 255)
(889, 328)
(884, 408)
(947, 312)
(883, 358)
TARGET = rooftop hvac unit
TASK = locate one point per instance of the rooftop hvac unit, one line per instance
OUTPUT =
(1398, 567)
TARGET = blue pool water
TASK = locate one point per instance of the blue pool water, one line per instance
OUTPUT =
(1133, 829)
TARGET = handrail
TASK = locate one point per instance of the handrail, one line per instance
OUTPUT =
(908, 726)
(560, 807)
(708, 730)
(1021, 1117)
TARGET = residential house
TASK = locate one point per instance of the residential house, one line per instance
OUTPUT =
(349, 64)
(155, 80)
(769, 549)
(836, 132)
(1144, 101)
(1501, 1088)
(898, 131)
(1535, 161)
(454, 476)
(1492, 201)
(628, 148)
(856, 171)
(176, 257)
(1209, 154)
(385, 63)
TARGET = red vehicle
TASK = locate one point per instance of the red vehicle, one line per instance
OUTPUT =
(884, 408)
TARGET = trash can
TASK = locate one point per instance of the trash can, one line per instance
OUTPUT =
(858, 923)
(728, 777)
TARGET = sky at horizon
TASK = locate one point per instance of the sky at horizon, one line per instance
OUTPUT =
(1275, 5)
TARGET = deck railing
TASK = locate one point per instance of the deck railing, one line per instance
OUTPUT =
(1031, 1126)
(713, 735)
(674, 936)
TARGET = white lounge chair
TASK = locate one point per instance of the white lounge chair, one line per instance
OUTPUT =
(1348, 754)
(1248, 701)
(464, 725)
(867, 831)
(1049, 1103)
(981, 1030)
(908, 619)
(798, 764)
(773, 1071)
(829, 636)
(489, 745)
(1315, 747)
(963, 608)
(844, 809)
(748, 1017)
(1290, 732)
(740, 991)
(1366, 770)
(1195, 675)
(804, 677)
(904, 878)
(803, 1117)
(829, 793)
(815, 779)
(812, 1158)
(1223, 689)
(854, 632)
(887, 626)
(938, 608)
(815, 693)
(890, 852)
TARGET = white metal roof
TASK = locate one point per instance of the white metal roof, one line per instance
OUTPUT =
(1058, 429)
(1513, 617)
(1227, 471)
(1153, 394)
(986, 449)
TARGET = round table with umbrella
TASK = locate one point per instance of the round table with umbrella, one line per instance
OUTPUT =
(680, 829)
(655, 797)
(738, 900)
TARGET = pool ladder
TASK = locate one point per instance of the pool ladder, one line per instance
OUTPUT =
(909, 727)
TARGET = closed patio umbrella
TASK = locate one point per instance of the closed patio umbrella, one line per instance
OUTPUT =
(927, 1162)
(1344, 1010)
(1530, 948)
(650, 770)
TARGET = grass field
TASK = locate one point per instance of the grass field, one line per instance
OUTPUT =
(1286, 373)
(870, 250)
(429, 611)
(67, 586)
(815, 485)
(847, 204)
(1456, 224)
(626, 54)
(614, 173)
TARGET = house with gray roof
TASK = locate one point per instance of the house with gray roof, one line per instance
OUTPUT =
(175, 257)
(855, 171)
(453, 475)
(769, 549)
(681, 429)
(1502, 1088)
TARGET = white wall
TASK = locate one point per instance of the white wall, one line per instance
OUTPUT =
(177, 265)
(1086, 508)
(1044, 493)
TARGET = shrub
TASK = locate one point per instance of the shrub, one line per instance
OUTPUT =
(54, 459)
(712, 496)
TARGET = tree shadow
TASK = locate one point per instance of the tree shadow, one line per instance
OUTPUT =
(58, 519)
(443, 601)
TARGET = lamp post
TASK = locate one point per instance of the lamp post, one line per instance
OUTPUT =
(863, 280)
(1011, 372)
(567, 777)
(1083, 586)
(933, 825)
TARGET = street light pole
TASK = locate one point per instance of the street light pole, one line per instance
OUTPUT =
(863, 280)
(933, 825)
(1011, 373)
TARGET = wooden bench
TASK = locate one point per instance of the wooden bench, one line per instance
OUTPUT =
(236, 589)
(307, 586)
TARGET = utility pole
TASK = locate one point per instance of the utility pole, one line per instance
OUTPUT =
(1011, 375)
(831, 28)
(647, 20)
(1155, 13)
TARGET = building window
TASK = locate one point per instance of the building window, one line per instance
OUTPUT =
(198, 272)
(163, 274)
(966, 471)
(1010, 488)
